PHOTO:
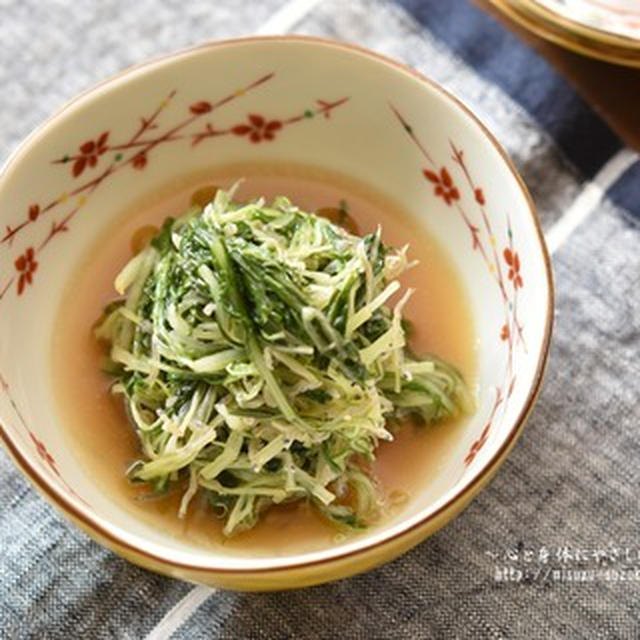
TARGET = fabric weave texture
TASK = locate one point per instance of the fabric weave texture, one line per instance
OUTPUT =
(571, 485)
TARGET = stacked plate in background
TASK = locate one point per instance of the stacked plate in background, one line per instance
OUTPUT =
(604, 29)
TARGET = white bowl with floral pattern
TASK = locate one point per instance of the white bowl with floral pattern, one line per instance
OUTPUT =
(293, 99)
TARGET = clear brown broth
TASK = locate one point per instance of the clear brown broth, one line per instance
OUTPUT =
(95, 422)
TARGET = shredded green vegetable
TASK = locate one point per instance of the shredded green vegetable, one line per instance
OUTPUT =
(261, 363)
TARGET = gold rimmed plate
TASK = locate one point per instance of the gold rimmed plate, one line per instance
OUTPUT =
(606, 21)
(575, 34)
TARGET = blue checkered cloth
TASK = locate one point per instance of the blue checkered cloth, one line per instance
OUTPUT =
(567, 497)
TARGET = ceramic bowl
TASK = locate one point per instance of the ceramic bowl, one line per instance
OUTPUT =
(340, 108)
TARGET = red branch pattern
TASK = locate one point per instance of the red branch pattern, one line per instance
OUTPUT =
(484, 241)
(484, 434)
(135, 152)
(40, 447)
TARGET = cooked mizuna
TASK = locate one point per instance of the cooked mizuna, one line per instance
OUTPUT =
(262, 356)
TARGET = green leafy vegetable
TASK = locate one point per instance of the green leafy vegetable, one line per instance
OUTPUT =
(260, 360)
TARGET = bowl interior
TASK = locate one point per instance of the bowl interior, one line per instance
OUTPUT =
(337, 109)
